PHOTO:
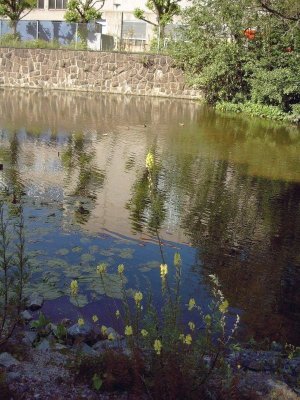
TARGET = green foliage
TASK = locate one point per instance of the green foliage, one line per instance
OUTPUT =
(83, 11)
(165, 10)
(13, 269)
(228, 66)
(10, 40)
(260, 110)
(13, 9)
(97, 382)
(40, 323)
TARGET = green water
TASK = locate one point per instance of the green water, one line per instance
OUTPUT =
(227, 197)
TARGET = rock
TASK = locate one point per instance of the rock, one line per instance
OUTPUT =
(257, 360)
(262, 386)
(84, 331)
(86, 349)
(35, 301)
(26, 316)
(13, 377)
(110, 344)
(29, 337)
(7, 360)
(44, 345)
(116, 335)
(66, 322)
(59, 346)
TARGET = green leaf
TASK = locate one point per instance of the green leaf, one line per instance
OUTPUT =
(97, 382)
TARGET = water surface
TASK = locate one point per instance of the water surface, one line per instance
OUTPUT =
(227, 197)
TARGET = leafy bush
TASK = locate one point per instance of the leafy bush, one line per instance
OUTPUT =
(229, 66)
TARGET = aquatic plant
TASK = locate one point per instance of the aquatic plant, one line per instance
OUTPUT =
(13, 269)
(158, 338)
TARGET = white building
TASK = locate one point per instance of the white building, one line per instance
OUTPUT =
(117, 18)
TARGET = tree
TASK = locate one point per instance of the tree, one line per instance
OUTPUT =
(83, 11)
(164, 10)
(16, 10)
(229, 64)
(286, 9)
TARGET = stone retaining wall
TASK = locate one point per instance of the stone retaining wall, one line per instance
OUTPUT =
(152, 75)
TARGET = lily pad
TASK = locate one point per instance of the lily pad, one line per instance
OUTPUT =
(87, 257)
(80, 301)
(76, 249)
(94, 248)
(57, 263)
(126, 253)
(62, 252)
(148, 266)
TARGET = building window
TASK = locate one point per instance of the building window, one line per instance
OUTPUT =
(58, 4)
(40, 4)
(134, 30)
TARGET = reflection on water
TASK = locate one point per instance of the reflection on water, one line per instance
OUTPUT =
(226, 194)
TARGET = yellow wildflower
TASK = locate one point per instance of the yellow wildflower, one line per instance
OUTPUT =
(74, 288)
(157, 346)
(163, 270)
(207, 319)
(188, 339)
(101, 268)
(117, 314)
(104, 330)
(121, 268)
(223, 307)
(138, 297)
(111, 336)
(191, 325)
(192, 304)
(177, 259)
(95, 318)
(150, 160)
(181, 337)
(80, 321)
(128, 330)
(144, 332)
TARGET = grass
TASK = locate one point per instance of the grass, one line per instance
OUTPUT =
(261, 110)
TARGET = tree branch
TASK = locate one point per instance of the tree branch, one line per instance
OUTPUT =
(271, 10)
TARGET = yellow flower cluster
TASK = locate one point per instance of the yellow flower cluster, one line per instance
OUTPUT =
(157, 346)
(80, 321)
(128, 330)
(111, 336)
(138, 297)
(150, 161)
(117, 314)
(163, 270)
(192, 304)
(104, 330)
(191, 326)
(144, 332)
(188, 339)
(101, 269)
(74, 288)
(95, 318)
(121, 269)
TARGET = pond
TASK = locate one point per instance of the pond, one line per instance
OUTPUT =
(227, 197)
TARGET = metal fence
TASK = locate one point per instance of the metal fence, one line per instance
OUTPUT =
(61, 32)
(132, 35)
